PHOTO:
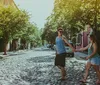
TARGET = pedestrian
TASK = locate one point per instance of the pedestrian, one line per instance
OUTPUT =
(93, 58)
(91, 31)
(61, 52)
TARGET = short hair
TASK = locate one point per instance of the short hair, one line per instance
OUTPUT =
(59, 28)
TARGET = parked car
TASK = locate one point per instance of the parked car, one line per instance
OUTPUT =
(54, 47)
(51, 46)
(69, 52)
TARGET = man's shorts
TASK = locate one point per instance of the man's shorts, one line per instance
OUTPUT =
(60, 60)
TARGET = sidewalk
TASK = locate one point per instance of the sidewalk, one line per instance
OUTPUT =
(11, 53)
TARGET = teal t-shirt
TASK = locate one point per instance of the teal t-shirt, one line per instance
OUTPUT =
(60, 46)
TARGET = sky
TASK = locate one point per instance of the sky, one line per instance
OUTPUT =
(39, 9)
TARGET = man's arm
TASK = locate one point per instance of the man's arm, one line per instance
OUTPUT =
(65, 40)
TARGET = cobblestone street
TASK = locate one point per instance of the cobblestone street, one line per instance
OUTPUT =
(37, 68)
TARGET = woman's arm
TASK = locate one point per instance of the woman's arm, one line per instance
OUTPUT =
(94, 50)
(82, 49)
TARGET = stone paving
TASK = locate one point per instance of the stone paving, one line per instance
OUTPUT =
(45, 73)
(37, 68)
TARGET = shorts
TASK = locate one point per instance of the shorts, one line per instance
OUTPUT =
(94, 61)
(60, 60)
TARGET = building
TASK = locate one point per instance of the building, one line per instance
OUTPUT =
(81, 40)
(8, 3)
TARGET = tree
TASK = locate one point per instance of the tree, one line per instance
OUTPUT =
(31, 35)
(73, 15)
(49, 34)
(12, 23)
(1, 33)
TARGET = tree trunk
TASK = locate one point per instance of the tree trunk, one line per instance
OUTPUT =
(5, 47)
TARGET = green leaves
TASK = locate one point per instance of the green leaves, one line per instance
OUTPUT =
(15, 24)
(73, 15)
(12, 21)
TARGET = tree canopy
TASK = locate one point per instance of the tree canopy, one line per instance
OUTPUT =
(15, 24)
(73, 15)
(12, 22)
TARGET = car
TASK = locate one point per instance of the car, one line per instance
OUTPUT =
(54, 47)
(48, 45)
(69, 52)
(51, 46)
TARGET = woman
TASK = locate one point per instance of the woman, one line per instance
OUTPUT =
(61, 52)
(93, 58)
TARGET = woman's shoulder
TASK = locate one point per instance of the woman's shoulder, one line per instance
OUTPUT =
(94, 44)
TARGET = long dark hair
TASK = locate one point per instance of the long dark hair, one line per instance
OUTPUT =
(95, 40)
(93, 37)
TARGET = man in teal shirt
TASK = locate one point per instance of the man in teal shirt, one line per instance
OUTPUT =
(61, 52)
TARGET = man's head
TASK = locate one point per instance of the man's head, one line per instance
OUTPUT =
(60, 31)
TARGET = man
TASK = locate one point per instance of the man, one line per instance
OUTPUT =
(61, 52)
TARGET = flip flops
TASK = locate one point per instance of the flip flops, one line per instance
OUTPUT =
(62, 79)
(98, 82)
(83, 81)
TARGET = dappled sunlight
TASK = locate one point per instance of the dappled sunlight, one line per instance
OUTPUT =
(28, 30)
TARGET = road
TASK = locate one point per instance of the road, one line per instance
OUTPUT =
(36, 67)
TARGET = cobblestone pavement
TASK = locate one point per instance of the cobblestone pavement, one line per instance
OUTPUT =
(37, 68)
